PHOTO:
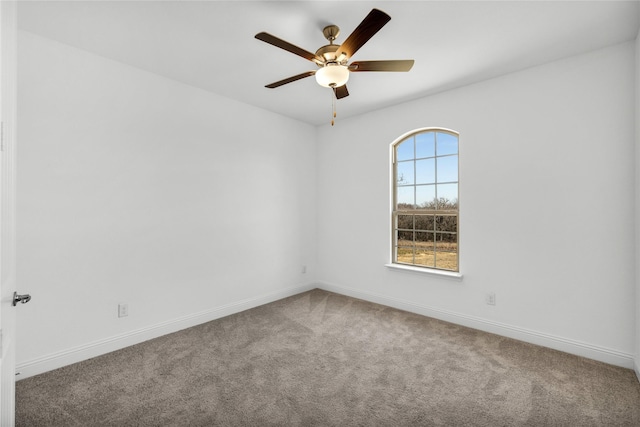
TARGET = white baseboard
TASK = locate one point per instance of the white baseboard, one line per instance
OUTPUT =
(637, 368)
(100, 347)
(578, 348)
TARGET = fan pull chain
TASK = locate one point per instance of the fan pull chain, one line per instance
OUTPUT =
(333, 104)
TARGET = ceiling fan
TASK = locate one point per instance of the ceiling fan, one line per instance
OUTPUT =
(333, 60)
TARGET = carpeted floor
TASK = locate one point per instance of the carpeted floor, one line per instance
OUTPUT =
(320, 358)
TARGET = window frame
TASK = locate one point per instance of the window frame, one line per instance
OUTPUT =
(394, 263)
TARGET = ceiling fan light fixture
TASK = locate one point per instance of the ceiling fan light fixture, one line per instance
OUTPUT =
(332, 75)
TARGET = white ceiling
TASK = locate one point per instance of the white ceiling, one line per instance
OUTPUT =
(211, 44)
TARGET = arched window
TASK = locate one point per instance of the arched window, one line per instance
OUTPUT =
(425, 199)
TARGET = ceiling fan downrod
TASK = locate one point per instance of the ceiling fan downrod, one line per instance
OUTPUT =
(331, 32)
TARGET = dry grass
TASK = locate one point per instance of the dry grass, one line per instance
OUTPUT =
(445, 255)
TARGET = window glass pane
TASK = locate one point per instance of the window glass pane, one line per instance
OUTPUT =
(447, 169)
(425, 144)
(447, 196)
(405, 173)
(425, 196)
(426, 171)
(445, 242)
(405, 238)
(446, 144)
(405, 150)
(446, 251)
(424, 222)
(405, 254)
(447, 260)
(424, 250)
(405, 197)
(447, 223)
(405, 222)
(424, 239)
(425, 259)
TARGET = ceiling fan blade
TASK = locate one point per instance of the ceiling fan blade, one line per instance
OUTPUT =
(290, 79)
(394, 65)
(268, 38)
(372, 23)
(341, 92)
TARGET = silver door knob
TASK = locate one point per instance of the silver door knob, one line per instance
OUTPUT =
(20, 298)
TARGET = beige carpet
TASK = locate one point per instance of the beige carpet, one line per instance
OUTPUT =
(320, 358)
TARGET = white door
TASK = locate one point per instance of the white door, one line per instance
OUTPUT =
(7, 211)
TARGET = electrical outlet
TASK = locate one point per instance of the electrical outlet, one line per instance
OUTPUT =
(490, 298)
(123, 310)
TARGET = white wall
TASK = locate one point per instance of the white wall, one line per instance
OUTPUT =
(186, 205)
(637, 216)
(547, 205)
(135, 188)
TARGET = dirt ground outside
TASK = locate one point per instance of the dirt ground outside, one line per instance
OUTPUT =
(444, 256)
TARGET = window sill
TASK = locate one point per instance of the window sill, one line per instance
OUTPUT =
(427, 271)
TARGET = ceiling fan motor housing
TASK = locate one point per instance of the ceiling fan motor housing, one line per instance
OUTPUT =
(329, 53)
